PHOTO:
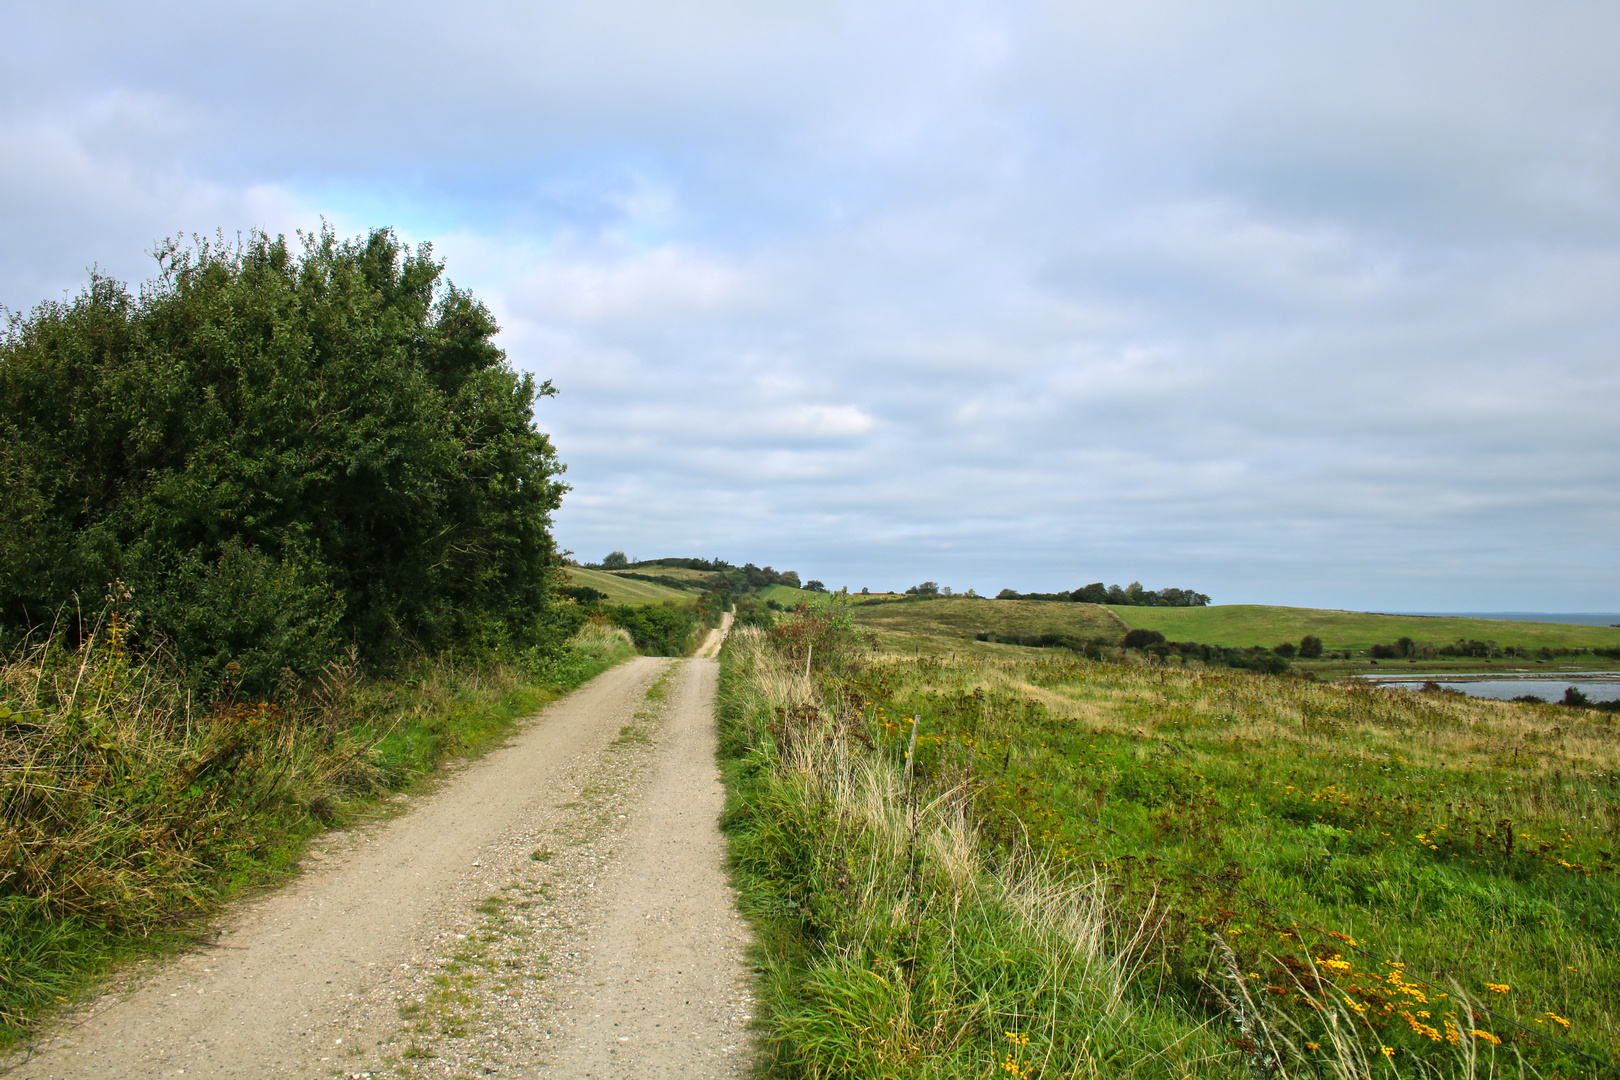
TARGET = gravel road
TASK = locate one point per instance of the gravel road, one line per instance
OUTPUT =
(557, 908)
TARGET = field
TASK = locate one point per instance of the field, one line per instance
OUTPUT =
(787, 595)
(623, 590)
(1243, 625)
(953, 622)
(696, 579)
(1283, 876)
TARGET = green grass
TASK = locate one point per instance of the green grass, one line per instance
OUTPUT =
(787, 595)
(1472, 842)
(953, 622)
(1242, 625)
(622, 590)
(882, 953)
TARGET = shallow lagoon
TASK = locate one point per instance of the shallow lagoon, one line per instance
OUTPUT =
(1596, 685)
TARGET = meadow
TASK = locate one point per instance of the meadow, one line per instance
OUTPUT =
(787, 595)
(1259, 624)
(1277, 874)
(624, 590)
(960, 619)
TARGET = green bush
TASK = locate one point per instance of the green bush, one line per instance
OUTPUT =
(658, 629)
(278, 451)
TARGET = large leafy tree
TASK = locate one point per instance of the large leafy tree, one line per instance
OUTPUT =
(281, 449)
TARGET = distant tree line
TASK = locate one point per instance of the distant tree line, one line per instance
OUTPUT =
(1406, 649)
(1152, 643)
(1132, 595)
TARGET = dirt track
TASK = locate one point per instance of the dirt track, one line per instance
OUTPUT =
(555, 909)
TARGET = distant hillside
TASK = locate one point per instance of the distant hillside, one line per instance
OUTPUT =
(787, 595)
(1259, 624)
(963, 618)
(623, 590)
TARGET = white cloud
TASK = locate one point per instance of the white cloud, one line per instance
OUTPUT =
(1278, 301)
(663, 282)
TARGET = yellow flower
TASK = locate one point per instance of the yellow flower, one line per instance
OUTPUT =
(1389, 1051)
(1313, 1046)
(1555, 1018)
(1488, 1037)
(1498, 988)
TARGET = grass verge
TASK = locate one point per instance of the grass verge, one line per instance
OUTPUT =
(888, 944)
(126, 812)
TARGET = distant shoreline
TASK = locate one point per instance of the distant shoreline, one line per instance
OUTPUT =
(1578, 618)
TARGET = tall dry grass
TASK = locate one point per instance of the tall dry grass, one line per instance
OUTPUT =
(898, 944)
(127, 805)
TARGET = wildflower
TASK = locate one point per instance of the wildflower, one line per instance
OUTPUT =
(1313, 1046)
(1498, 988)
(1487, 1036)
(1555, 1018)
(1388, 1051)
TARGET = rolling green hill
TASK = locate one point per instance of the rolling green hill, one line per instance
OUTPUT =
(623, 590)
(960, 618)
(1259, 624)
(787, 595)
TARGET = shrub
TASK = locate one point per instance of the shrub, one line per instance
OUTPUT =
(1141, 639)
(279, 451)
(1285, 649)
(1310, 647)
(658, 629)
(750, 611)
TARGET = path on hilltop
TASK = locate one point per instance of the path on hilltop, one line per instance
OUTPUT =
(557, 908)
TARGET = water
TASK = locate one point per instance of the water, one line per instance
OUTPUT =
(1596, 685)
(1576, 618)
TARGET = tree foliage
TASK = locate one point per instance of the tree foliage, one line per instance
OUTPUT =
(281, 449)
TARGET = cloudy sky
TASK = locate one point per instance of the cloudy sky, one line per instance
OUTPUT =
(1286, 302)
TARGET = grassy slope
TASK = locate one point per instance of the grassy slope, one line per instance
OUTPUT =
(1381, 814)
(698, 578)
(1243, 625)
(623, 590)
(955, 620)
(787, 595)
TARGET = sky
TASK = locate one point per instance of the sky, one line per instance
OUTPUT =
(1286, 302)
